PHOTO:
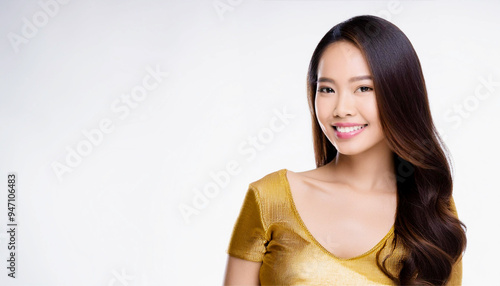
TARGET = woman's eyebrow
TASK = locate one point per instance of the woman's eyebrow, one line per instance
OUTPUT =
(352, 79)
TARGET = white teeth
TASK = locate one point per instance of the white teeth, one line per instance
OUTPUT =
(349, 129)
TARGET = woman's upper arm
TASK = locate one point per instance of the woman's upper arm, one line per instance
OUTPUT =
(241, 272)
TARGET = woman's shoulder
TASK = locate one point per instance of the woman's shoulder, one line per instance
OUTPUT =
(278, 183)
(270, 181)
(273, 195)
(282, 176)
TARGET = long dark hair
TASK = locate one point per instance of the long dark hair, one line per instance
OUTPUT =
(426, 223)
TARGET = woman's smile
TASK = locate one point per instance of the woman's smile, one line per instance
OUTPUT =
(346, 131)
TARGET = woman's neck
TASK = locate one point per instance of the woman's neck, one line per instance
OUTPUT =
(372, 170)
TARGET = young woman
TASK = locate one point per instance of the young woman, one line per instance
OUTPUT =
(378, 209)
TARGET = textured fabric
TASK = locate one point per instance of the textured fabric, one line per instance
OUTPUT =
(269, 230)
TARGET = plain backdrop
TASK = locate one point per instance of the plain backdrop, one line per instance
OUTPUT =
(121, 119)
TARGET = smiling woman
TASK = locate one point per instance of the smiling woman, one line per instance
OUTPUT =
(346, 106)
(378, 209)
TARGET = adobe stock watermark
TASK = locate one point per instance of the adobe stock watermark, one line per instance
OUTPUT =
(392, 8)
(221, 7)
(39, 19)
(221, 179)
(484, 90)
(122, 107)
(120, 278)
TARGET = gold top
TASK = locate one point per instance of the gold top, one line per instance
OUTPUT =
(270, 230)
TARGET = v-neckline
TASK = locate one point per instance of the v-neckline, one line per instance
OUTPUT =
(283, 173)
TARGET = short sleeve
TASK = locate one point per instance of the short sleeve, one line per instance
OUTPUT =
(456, 274)
(456, 271)
(453, 207)
(248, 237)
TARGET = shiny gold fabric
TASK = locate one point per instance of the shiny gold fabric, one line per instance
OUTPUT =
(270, 230)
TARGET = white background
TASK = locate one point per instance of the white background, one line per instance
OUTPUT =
(113, 217)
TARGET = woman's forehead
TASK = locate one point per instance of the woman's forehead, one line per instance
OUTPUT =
(342, 60)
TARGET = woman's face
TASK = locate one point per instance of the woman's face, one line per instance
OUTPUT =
(345, 103)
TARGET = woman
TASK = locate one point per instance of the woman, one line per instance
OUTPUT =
(378, 209)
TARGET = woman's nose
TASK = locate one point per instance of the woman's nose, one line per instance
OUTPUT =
(344, 106)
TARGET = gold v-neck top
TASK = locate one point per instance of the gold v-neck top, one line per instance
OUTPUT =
(270, 230)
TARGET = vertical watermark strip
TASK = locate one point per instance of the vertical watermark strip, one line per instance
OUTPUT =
(12, 246)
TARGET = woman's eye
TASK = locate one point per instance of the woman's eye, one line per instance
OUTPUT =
(325, 89)
(365, 88)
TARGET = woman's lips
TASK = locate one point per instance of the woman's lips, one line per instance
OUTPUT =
(347, 130)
